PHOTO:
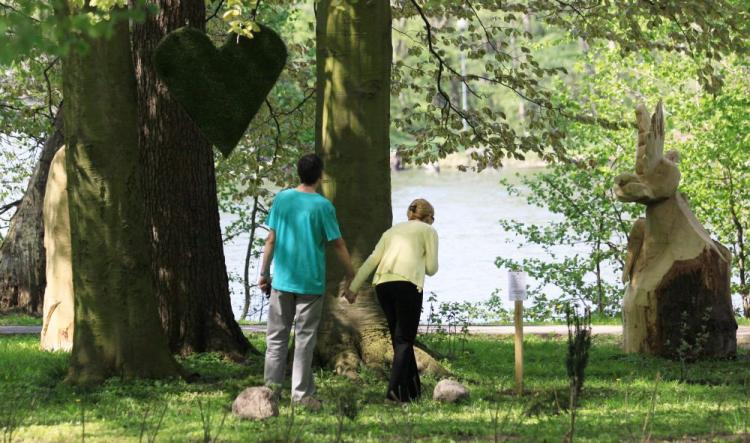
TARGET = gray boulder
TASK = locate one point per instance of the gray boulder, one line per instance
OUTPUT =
(256, 403)
(450, 391)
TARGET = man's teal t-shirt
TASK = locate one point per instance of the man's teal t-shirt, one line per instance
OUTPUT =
(303, 223)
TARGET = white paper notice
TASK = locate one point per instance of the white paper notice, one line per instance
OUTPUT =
(516, 286)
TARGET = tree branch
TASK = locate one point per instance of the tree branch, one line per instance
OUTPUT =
(15, 10)
(299, 105)
(277, 137)
(441, 61)
(407, 36)
(444, 66)
(49, 87)
(11, 107)
(254, 14)
(9, 206)
(216, 11)
(497, 81)
(487, 34)
(448, 106)
(572, 7)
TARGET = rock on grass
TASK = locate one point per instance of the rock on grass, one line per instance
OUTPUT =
(256, 403)
(450, 391)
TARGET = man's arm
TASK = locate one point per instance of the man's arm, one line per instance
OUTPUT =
(339, 245)
(342, 252)
(265, 270)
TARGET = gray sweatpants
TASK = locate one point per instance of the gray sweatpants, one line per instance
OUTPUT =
(284, 309)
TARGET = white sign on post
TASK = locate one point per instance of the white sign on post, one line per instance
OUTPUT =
(516, 286)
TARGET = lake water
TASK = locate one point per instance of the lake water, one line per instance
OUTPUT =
(467, 209)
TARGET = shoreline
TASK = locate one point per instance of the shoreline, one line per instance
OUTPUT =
(743, 332)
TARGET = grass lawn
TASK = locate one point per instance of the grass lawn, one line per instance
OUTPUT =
(709, 400)
(28, 320)
(597, 320)
(19, 320)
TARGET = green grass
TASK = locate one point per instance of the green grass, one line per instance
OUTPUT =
(19, 320)
(28, 320)
(251, 323)
(595, 320)
(712, 401)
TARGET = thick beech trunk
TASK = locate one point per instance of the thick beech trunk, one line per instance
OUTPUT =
(117, 330)
(181, 203)
(22, 262)
(352, 135)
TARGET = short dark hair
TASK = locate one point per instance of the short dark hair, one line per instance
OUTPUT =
(309, 168)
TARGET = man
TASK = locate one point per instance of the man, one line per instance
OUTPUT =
(300, 224)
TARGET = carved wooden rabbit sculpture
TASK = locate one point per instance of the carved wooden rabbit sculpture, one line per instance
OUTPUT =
(677, 300)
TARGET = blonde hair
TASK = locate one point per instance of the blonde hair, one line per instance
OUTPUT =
(420, 209)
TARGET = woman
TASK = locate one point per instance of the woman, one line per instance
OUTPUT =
(404, 254)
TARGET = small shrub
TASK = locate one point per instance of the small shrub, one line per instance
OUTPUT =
(579, 344)
(210, 434)
(448, 324)
(150, 435)
(11, 419)
(347, 405)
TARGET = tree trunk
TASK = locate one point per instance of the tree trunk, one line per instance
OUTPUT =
(249, 254)
(352, 135)
(117, 330)
(599, 283)
(22, 262)
(182, 210)
(599, 287)
(59, 316)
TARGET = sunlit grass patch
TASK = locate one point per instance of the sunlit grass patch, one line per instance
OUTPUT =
(616, 403)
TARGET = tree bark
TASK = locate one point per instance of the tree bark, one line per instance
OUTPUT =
(59, 316)
(182, 210)
(352, 135)
(22, 256)
(117, 330)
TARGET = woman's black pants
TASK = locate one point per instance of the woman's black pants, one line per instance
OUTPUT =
(402, 304)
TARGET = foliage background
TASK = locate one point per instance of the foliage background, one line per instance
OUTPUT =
(487, 81)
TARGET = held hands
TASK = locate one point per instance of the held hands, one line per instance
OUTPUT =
(344, 291)
(264, 283)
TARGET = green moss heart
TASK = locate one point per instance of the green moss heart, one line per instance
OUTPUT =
(221, 89)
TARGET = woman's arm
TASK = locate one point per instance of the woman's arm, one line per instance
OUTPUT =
(431, 252)
(368, 266)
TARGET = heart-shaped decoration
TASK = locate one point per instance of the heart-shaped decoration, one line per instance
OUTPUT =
(221, 89)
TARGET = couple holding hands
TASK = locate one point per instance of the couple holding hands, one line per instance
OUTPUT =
(300, 223)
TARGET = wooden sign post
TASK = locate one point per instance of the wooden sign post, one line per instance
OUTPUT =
(517, 294)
